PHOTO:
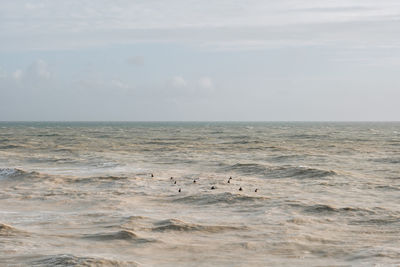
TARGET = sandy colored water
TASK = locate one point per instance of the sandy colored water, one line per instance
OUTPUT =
(83, 194)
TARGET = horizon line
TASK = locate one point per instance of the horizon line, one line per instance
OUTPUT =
(189, 121)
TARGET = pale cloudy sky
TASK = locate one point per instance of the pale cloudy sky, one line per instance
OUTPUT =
(200, 60)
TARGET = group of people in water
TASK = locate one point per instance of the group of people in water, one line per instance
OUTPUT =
(212, 187)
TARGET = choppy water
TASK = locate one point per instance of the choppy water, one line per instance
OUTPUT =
(82, 194)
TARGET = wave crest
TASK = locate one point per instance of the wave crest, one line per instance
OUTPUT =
(177, 225)
(11, 172)
(124, 235)
(327, 209)
(280, 172)
(224, 198)
(8, 230)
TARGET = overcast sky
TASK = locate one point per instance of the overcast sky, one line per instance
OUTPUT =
(193, 60)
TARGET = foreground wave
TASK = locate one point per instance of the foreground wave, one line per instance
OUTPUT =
(71, 260)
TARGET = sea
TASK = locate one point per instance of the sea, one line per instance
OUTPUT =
(199, 193)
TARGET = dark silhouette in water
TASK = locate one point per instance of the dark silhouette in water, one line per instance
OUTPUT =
(229, 180)
(240, 189)
(194, 181)
(256, 190)
(179, 190)
(175, 182)
(171, 178)
(151, 175)
(213, 187)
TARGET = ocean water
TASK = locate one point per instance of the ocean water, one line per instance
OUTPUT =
(101, 194)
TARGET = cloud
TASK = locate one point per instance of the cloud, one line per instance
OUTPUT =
(74, 24)
(180, 87)
(105, 86)
(178, 82)
(206, 83)
(119, 84)
(34, 74)
(39, 69)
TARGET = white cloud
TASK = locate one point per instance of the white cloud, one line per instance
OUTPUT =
(206, 83)
(179, 87)
(178, 82)
(36, 72)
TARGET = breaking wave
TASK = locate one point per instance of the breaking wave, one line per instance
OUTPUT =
(15, 173)
(9, 231)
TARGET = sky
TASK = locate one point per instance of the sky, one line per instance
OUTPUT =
(199, 60)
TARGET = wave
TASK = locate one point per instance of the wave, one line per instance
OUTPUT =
(124, 235)
(53, 160)
(388, 220)
(222, 198)
(10, 231)
(71, 260)
(323, 208)
(388, 160)
(15, 173)
(48, 135)
(181, 226)
(309, 136)
(97, 179)
(302, 172)
(243, 142)
(247, 168)
(283, 158)
(9, 147)
(279, 172)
